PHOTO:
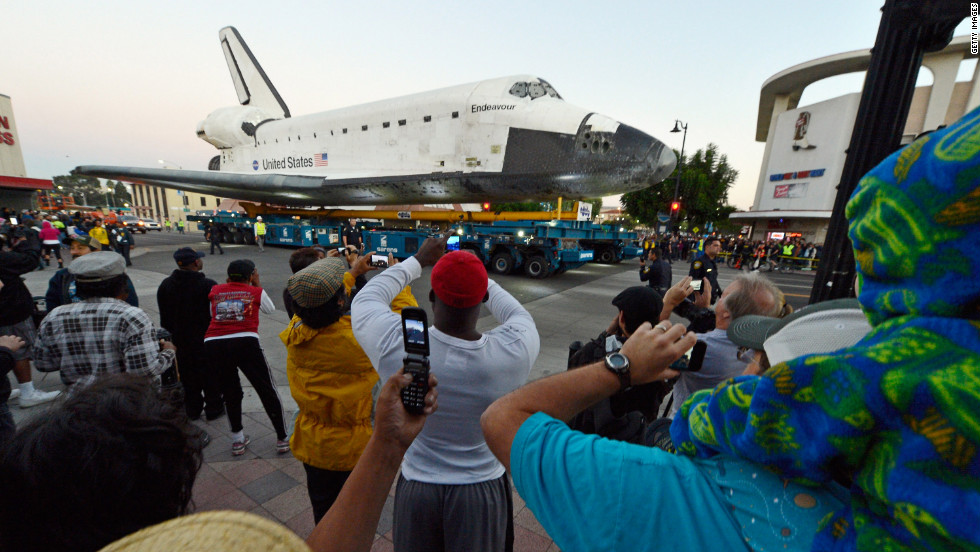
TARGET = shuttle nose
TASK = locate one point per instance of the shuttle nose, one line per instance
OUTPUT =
(652, 160)
(660, 160)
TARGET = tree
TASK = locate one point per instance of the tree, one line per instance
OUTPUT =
(84, 189)
(705, 179)
(122, 194)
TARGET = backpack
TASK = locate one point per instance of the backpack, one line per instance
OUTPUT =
(600, 419)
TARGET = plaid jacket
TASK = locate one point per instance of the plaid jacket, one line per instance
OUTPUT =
(99, 336)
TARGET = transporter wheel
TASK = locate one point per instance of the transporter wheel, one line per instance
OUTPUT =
(536, 267)
(239, 237)
(502, 263)
(249, 238)
(605, 256)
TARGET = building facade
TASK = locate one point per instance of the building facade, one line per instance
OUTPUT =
(16, 190)
(805, 146)
(162, 204)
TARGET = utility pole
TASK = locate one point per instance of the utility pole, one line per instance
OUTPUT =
(908, 29)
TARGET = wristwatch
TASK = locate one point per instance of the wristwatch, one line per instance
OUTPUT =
(618, 364)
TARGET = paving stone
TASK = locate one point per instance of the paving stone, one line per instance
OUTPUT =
(210, 487)
(289, 504)
(269, 486)
(383, 545)
(234, 500)
(243, 473)
(260, 511)
(527, 520)
(528, 541)
(386, 521)
(302, 523)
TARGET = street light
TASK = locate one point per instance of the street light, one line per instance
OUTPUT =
(678, 126)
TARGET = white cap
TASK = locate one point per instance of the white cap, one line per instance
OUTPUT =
(819, 328)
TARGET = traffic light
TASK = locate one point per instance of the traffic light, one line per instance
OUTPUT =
(675, 206)
(486, 205)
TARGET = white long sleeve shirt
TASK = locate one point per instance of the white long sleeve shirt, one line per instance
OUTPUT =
(472, 374)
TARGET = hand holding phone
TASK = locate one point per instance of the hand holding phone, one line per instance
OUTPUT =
(415, 331)
(452, 244)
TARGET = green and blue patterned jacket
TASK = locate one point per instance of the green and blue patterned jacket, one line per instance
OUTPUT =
(898, 414)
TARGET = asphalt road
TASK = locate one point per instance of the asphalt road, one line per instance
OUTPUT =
(156, 254)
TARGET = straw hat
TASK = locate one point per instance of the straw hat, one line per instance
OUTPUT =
(212, 531)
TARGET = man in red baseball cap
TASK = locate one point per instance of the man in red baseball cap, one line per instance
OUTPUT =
(452, 493)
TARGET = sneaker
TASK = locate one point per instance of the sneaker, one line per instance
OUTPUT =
(238, 447)
(282, 446)
(205, 439)
(38, 397)
(14, 394)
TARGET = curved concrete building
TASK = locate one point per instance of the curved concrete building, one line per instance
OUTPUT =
(805, 145)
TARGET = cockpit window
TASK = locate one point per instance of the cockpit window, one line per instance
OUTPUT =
(533, 89)
(551, 91)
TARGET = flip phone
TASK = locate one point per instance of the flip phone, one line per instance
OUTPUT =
(415, 329)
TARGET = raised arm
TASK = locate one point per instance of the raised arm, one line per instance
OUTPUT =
(650, 350)
(349, 524)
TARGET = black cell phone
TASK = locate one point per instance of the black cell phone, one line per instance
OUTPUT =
(692, 360)
(415, 330)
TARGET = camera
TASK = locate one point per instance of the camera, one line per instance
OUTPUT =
(415, 330)
(692, 359)
(170, 379)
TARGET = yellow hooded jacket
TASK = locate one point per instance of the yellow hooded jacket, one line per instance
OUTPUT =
(331, 380)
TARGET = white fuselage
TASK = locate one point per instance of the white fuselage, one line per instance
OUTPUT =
(459, 129)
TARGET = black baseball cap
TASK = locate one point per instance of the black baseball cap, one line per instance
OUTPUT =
(639, 304)
(186, 255)
(242, 268)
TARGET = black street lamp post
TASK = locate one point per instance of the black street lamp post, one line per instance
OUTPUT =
(678, 126)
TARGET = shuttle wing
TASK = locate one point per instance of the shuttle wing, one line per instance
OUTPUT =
(306, 190)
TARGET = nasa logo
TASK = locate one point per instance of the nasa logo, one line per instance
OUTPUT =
(255, 165)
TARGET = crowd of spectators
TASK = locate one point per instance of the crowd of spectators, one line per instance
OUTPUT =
(738, 252)
(844, 426)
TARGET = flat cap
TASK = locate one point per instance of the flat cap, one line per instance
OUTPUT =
(98, 266)
(86, 240)
(315, 284)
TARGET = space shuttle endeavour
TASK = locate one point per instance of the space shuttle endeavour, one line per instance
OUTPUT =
(504, 139)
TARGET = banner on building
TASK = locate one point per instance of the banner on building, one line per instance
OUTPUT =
(789, 191)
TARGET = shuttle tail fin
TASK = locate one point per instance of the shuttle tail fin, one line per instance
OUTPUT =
(251, 83)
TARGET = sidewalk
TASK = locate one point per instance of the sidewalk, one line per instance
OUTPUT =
(274, 486)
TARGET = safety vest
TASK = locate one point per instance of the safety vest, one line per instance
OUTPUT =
(788, 250)
(259, 228)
